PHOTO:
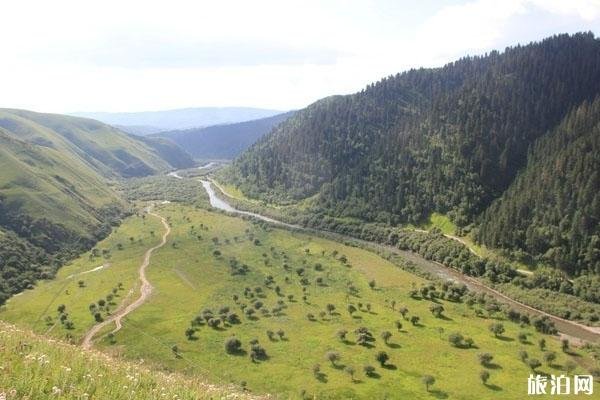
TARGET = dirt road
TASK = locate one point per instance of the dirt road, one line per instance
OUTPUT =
(145, 290)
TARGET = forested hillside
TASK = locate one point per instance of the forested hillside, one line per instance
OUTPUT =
(447, 140)
(56, 195)
(552, 209)
(223, 142)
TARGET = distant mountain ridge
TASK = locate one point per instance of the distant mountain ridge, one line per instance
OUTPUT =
(147, 122)
(225, 141)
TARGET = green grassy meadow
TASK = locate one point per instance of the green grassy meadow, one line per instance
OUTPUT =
(194, 272)
(37, 309)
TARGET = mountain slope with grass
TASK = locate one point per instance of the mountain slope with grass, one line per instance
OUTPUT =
(449, 140)
(223, 141)
(56, 186)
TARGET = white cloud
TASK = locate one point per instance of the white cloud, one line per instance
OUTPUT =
(588, 10)
(135, 55)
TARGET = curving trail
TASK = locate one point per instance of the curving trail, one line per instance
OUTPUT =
(145, 290)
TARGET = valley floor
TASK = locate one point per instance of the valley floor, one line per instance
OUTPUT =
(214, 265)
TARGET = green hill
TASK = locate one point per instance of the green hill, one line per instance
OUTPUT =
(449, 140)
(56, 182)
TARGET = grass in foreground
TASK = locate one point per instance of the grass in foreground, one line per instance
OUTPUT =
(33, 367)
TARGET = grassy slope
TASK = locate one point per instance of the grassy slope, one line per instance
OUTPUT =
(188, 278)
(105, 149)
(28, 182)
(44, 369)
(33, 306)
(60, 167)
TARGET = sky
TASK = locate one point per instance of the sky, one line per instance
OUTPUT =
(126, 55)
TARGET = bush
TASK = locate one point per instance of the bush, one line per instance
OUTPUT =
(233, 345)
(382, 357)
(485, 359)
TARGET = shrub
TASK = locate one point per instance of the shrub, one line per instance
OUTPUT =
(497, 329)
(382, 357)
(484, 376)
(485, 358)
(534, 363)
(369, 370)
(427, 380)
(233, 345)
(332, 357)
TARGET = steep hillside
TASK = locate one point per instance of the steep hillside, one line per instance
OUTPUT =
(552, 209)
(184, 118)
(426, 140)
(446, 140)
(223, 141)
(55, 187)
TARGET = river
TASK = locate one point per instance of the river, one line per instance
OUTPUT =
(569, 329)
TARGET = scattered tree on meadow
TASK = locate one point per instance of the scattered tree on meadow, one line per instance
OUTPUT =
(386, 335)
(427, 380)
(382, 358)
(484, 376)
(332, 357)
(485, 359)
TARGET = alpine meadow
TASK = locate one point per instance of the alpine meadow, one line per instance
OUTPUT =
(213, 202)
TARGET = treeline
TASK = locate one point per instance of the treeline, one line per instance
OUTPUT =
(554, 292)
(447, 140)
(552, 210)
(21, 264)
(34, 248)
(164, 188)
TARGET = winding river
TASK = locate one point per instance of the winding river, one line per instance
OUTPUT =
(569, 329)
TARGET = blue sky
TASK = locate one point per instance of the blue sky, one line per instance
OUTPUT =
(65, 56)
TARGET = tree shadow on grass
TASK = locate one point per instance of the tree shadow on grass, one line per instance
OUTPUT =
(321, 377)
(493, 387)
(374, 375)
(391, 367)
(444, 318)
(505, 338)
(367, 345)
(393, 345)
(339, 366)
(438, 394)
(493, 366)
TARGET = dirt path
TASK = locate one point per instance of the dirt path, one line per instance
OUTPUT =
(145, 290)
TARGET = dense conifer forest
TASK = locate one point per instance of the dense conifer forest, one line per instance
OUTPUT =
(452, 140)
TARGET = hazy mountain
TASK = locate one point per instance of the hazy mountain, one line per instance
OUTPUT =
(223, 141)
(185, 118)
(448, 140)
